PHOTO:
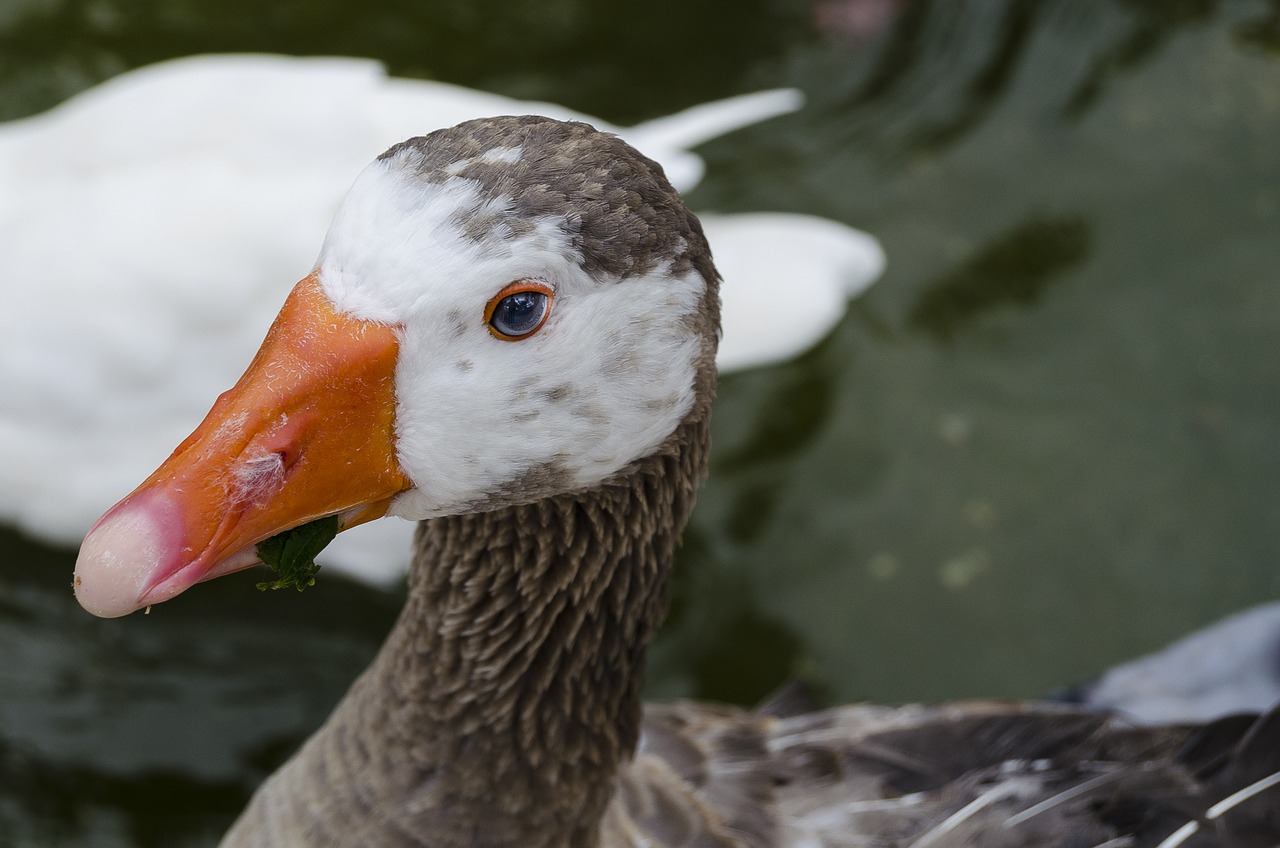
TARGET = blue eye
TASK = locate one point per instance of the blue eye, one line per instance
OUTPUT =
(519, 310)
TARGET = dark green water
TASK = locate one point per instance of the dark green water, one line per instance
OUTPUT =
(1047, 440)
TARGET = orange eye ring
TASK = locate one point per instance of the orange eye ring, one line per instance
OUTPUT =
(518, 287)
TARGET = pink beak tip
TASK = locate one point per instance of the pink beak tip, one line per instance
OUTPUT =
(119, 561)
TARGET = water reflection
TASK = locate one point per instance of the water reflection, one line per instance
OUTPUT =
(730, 650)
(945, 65)
(895, 517)
(153, 731)
(584, 55)
(1263, 32)
(1151, 24)
(49, 804)
(1015, 269)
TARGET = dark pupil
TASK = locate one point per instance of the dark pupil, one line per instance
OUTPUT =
(519, 313)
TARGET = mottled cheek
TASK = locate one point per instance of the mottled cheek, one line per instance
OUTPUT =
(457, 323)
(659, 405)
(540, 481)
(464, 366)
(593, 413)
(557, 394)
(621, 364)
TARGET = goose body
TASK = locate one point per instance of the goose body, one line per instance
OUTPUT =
(194, 186)
(510, 337)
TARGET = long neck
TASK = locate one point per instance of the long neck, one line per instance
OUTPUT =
(504, 700)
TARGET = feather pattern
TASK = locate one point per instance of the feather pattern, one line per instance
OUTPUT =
(964, 774)
(504, 708)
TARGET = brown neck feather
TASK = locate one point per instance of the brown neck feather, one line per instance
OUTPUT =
(508, 694)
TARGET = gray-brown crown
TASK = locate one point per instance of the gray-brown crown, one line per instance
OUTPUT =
(614, 204)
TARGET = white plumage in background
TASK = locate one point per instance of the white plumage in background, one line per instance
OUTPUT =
(153, 225)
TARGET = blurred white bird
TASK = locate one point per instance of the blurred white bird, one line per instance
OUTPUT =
(154, 223)
(1231, 666)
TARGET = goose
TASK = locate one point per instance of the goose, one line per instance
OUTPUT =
(1229, 666)
(509, 336)
(193, 185)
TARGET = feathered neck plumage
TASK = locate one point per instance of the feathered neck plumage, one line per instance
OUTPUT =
(508, 693)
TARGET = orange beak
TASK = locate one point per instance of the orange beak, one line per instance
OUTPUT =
(307, 432)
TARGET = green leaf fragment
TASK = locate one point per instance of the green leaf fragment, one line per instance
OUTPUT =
(292, 554)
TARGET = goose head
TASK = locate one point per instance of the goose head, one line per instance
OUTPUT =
(502, 311)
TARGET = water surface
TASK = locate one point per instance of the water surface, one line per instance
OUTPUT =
(1047, 440)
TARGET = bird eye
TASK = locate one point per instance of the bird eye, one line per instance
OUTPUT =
(519, 310)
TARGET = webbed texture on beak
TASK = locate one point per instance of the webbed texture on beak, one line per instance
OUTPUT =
(308, 431)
